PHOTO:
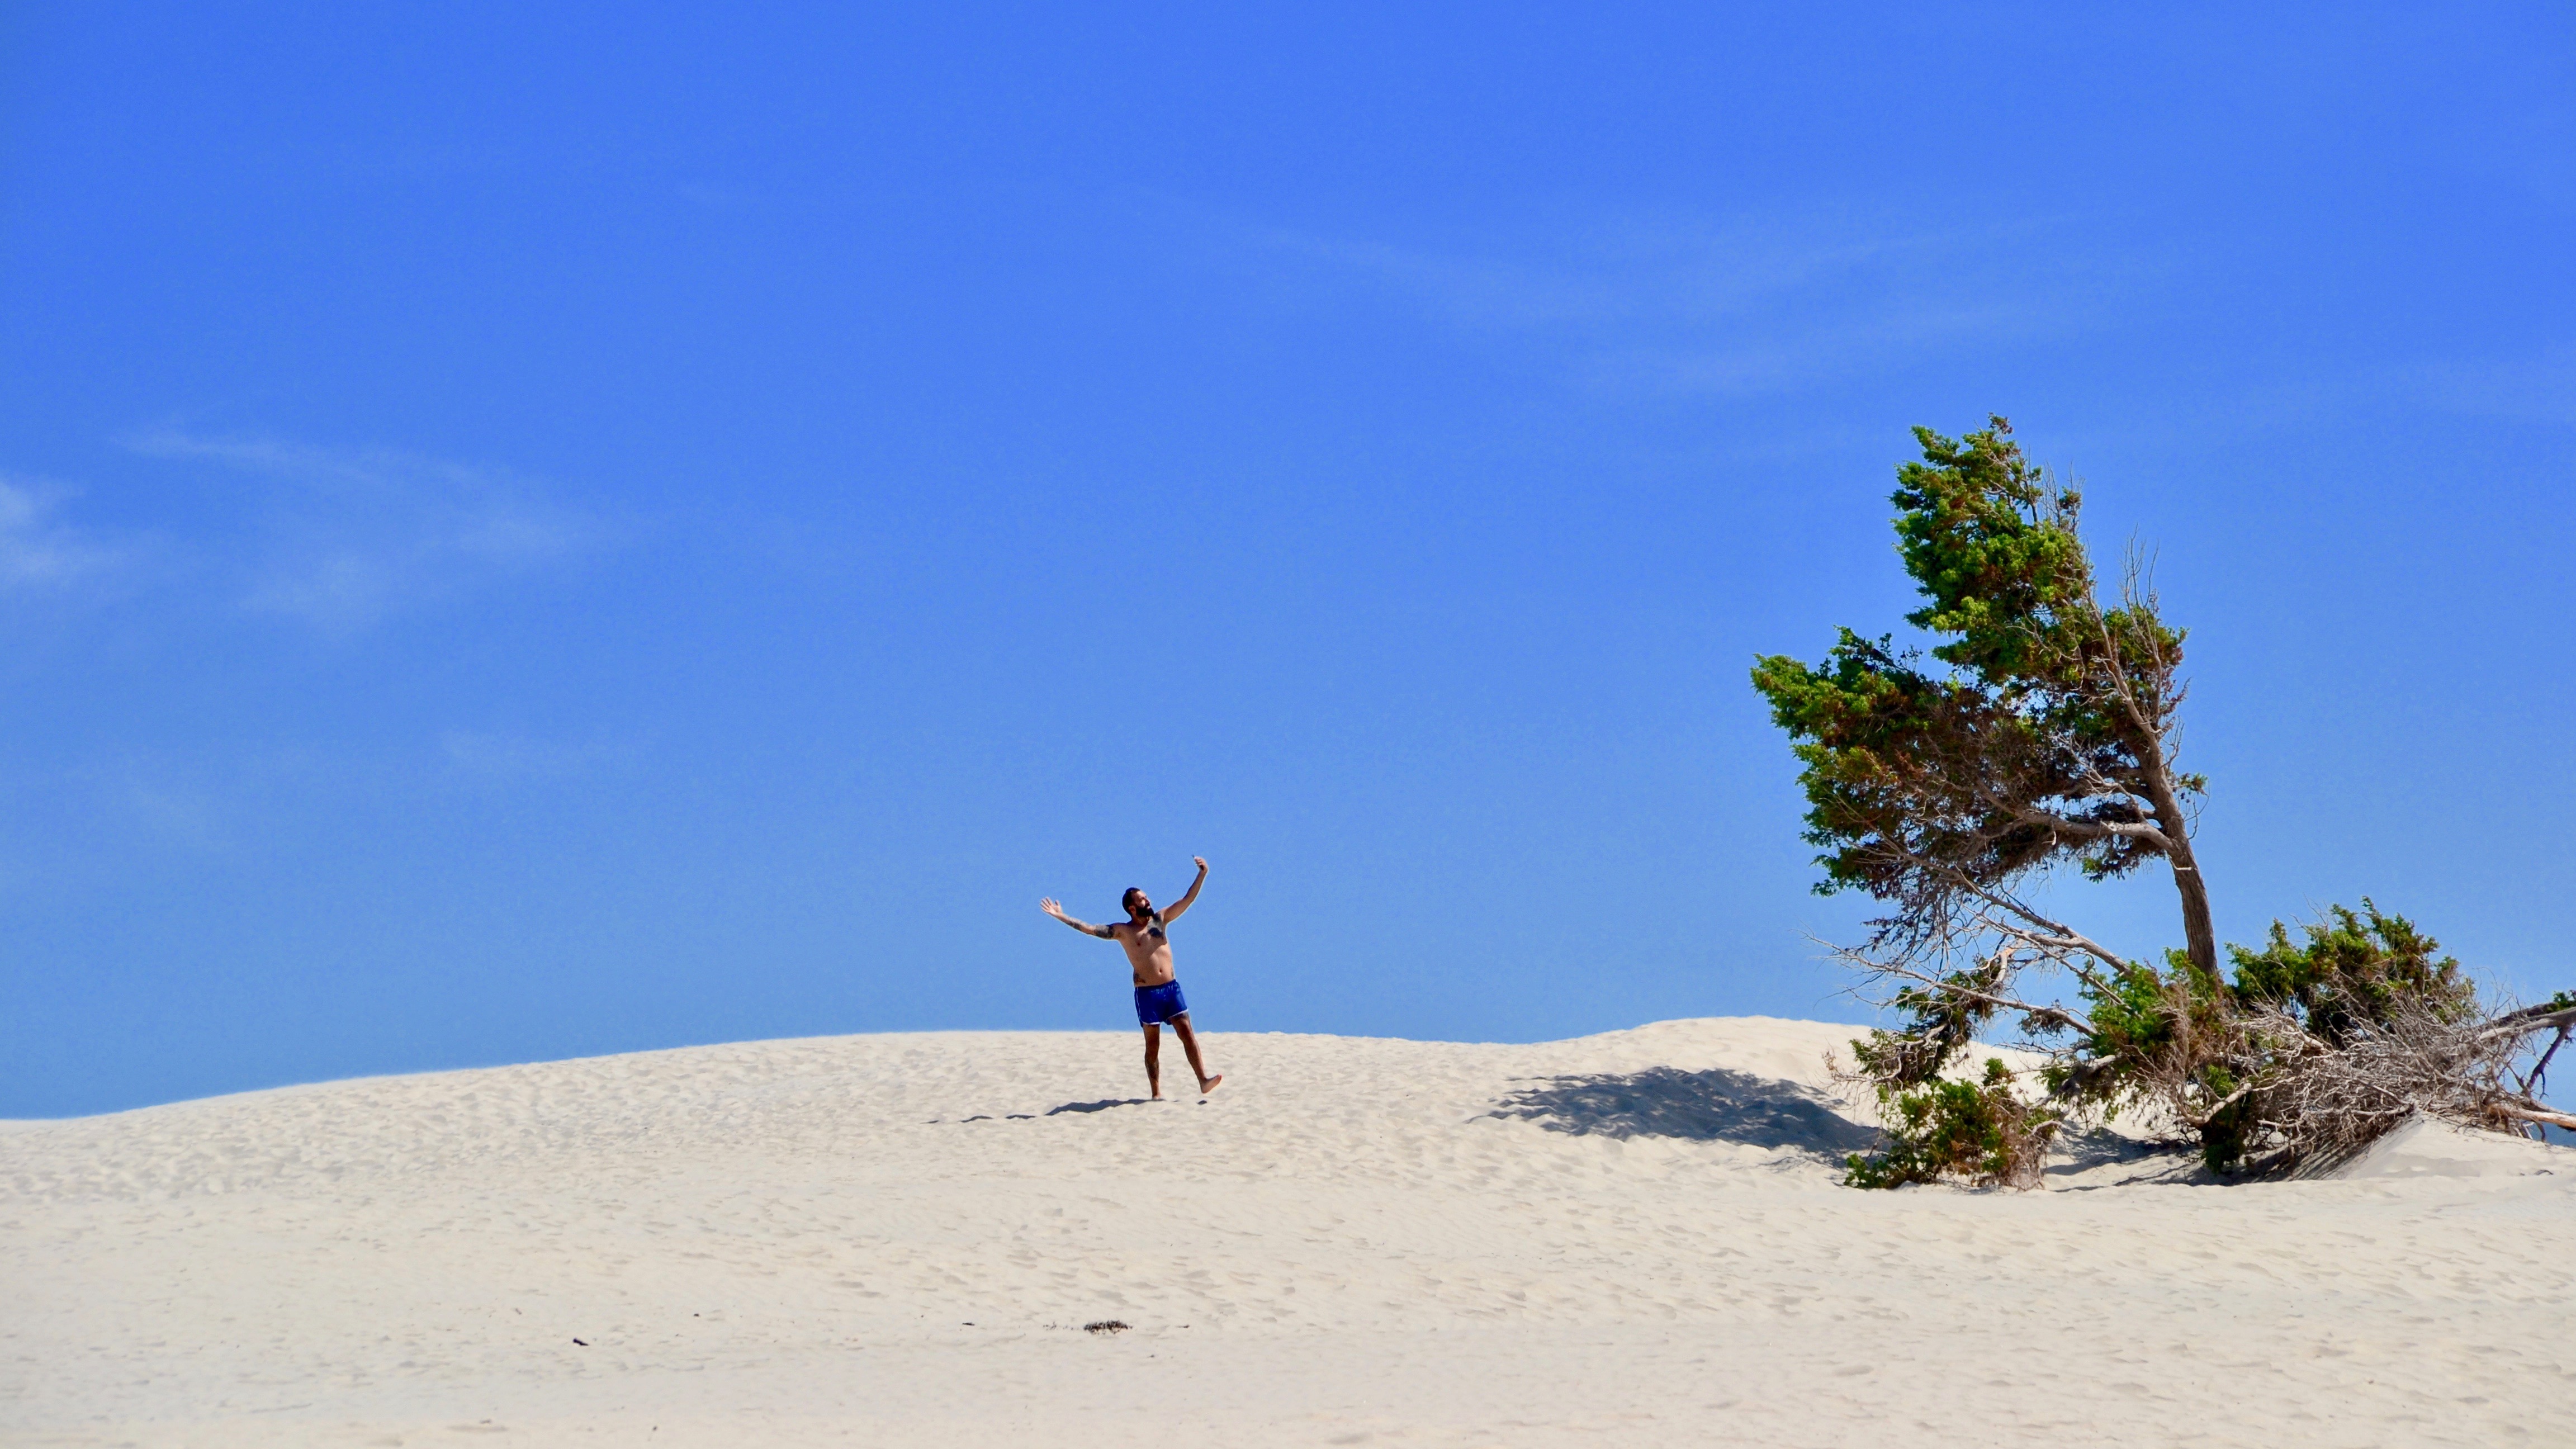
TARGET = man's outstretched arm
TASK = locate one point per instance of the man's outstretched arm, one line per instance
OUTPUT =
(1173, 911)
(1085, 927)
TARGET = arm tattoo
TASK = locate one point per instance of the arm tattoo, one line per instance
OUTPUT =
(1085, 927)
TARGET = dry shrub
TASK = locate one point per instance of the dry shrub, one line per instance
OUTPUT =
(2313, 1048)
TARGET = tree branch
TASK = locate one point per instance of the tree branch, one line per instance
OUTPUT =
(2535, 1114)
(2068, 937)
(2002, 1003)
(2094, 829)
(2531, 1019)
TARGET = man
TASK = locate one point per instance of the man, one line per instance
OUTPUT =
(1158, 995)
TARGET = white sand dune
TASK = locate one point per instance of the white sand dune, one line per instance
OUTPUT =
(898, 1240)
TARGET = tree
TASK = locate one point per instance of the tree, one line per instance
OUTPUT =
(2048, 742)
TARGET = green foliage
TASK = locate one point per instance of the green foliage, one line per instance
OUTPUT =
(1942, 1020)
(1892, 755)
(2133, 1012)
(2042, 742)
(1978, 538)
(1979, 1131)
(2181, 1036)
(2039, 733)
(2214, 1052)
(2133, 1017)
(2354, 971)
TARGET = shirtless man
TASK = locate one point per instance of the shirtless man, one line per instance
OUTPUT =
(1158, 996)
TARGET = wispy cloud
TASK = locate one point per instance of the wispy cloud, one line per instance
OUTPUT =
(2537, 386)
(1661, 274)
(499, 756)
(124, 797)
(37, 549)
(349, 536)
(1743, 305)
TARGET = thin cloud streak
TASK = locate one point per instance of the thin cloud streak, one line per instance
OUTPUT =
(2534, 388)
(494, 756)
(349, 537)
(39, 553)
(1744, 307)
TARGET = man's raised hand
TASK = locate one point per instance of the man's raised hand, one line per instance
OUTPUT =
(1048, 905)
(1173, 911)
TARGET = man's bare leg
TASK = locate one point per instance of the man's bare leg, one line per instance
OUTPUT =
(1190, 1044)
(1154, 1059)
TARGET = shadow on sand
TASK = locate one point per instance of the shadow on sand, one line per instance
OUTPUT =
(2084, 1149)
(1103, 1105)
(1710, 1106)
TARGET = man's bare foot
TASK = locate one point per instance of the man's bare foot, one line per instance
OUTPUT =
(1210, 1084)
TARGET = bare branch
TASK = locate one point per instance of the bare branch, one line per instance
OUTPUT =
(2532, 1019)
(2521, 1113)
(1949, 987)
(2095, 829)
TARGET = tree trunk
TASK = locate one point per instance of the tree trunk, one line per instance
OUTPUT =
(2200, 938)
(2145, 737)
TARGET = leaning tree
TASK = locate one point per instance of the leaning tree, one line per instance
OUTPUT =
(2041, 735)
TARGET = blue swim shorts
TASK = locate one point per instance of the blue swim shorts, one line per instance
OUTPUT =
(1158, 1004)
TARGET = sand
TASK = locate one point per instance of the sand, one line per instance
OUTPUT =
(899, 1239)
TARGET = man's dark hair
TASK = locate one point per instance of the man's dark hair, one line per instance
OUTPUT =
(1127, 902)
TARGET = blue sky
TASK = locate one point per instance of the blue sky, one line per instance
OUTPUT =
(529, 531)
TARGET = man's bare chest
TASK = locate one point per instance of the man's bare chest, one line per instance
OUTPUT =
(1143, 942)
